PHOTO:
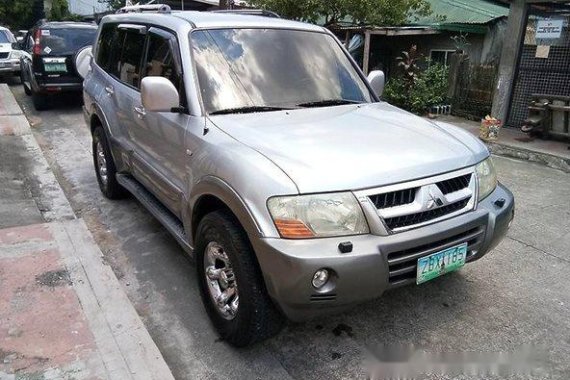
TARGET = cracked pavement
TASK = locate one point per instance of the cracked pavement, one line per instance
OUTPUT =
(518, 295)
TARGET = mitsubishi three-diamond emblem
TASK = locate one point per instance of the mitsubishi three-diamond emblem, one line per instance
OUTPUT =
(435, 198)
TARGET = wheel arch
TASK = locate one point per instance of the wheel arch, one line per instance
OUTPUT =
(211, 194)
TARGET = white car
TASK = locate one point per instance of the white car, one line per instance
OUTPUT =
(9, 53)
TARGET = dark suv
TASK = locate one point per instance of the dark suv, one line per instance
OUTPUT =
(49, 66)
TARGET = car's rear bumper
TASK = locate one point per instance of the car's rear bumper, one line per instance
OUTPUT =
(50, 88)
(365, 273)
(9, 66)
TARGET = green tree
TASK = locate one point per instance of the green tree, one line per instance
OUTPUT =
(331, 12)
(114, 4)
(16, 14)
(59, 10)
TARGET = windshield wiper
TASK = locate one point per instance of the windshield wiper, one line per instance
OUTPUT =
(329, 102)
(248, 109)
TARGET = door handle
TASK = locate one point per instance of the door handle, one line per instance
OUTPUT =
(109, 90)
(140, 111)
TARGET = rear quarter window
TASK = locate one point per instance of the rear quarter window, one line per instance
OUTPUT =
(107, 40)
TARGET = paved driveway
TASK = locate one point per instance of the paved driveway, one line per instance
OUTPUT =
(517, 295)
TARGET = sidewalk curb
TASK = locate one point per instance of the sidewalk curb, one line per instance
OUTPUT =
(550, 153)
(125, 345)
(549, 160)
(127, 350)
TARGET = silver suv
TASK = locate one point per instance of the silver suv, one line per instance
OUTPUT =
(263, 149)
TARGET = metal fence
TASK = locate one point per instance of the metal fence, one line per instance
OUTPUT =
(544, 67)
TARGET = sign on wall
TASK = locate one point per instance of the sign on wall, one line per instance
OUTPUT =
(549, 29)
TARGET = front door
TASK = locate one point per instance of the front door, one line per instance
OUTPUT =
(161, 135)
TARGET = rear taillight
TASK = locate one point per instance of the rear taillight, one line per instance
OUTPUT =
(37, 42)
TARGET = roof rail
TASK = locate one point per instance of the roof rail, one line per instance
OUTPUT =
(250, 12)
(158, 8)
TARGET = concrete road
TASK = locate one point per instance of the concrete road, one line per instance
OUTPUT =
(517, 295)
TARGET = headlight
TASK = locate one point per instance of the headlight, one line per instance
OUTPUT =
(319, 215)
(15, 54)
(487, 177)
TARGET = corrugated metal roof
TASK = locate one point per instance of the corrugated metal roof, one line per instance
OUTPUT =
(462, 12)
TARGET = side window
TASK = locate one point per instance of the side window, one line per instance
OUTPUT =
(105, 45)
(126, 55)
(160, 60)
(131, 57)
(114, 66)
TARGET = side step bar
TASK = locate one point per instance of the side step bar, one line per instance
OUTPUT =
(153, 205)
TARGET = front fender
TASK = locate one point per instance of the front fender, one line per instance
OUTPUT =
(255, 224)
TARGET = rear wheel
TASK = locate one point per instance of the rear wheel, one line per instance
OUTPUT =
(40, 101)
(231, 283)
(105, 166)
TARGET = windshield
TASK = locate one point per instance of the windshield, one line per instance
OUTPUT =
(267, 69)
(66, 41)
(4, 39)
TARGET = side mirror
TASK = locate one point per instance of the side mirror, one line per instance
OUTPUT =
(377, 81)
(159, 94)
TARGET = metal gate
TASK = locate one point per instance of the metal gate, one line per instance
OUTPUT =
(544, 64)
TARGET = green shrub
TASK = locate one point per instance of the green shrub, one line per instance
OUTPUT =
(428, 89)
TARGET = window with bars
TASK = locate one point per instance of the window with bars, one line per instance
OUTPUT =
(442, 57)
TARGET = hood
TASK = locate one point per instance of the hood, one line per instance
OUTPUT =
(352, 147)
(5, 48)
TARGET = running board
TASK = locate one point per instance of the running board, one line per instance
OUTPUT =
(157, 209)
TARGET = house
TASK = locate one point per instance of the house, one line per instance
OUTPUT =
(474, 26)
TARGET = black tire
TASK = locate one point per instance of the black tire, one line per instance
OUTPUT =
(256, 318)
(27, 91)
(110, 187)
(40, 101)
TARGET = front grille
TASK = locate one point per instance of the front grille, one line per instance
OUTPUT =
(413, 219)
(402, 265)
(394, 198)
(454, 184)
(4, 55)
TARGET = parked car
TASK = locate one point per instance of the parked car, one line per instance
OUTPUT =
(48, 67)
(9, 53)
(269, 156)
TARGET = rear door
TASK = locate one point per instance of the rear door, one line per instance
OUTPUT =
(99, 88)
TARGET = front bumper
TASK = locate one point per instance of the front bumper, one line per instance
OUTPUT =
(9, 66)
(289, 265)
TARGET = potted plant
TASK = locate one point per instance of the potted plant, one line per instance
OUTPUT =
(490, 128)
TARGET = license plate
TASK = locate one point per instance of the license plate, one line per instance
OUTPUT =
(440, 263)
(55, 67)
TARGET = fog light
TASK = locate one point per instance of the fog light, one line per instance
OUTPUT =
(320, 278)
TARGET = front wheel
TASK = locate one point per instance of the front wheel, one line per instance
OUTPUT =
(231, 283)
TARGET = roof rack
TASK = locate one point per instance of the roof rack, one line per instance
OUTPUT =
(158, 8)
(249, 12)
